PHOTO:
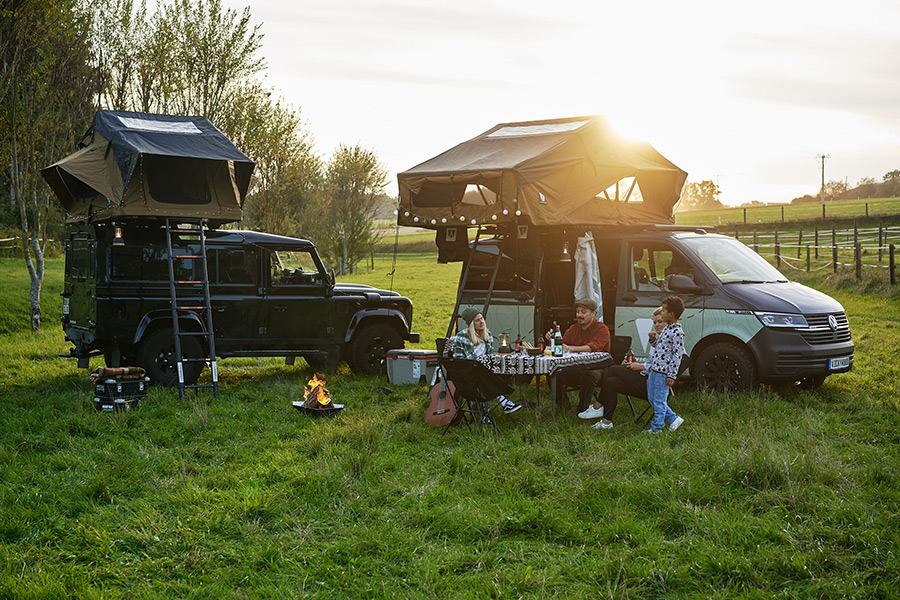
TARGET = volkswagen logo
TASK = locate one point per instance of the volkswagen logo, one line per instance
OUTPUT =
(832, 322)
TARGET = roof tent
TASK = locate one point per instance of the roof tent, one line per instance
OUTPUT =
(556, 172)
(132, 164)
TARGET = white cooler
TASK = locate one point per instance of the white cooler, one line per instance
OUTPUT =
(409, 367)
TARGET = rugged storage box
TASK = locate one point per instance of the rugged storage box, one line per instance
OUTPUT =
(114, 395)
(409, 367)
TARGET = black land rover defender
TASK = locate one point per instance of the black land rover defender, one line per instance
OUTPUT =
(270, 296)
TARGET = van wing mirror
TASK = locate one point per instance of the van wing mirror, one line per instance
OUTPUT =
(683, 284)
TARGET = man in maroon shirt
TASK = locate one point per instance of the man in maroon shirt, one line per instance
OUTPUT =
(585, 335)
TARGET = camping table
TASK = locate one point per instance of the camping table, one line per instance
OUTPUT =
(522, 364)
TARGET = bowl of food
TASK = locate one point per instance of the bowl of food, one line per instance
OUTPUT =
(533, 351)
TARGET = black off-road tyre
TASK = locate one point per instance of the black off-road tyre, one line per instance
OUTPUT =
(726, 367)
(157, 356)
(368, 347)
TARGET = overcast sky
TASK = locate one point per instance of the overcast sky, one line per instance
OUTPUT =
(746, 94)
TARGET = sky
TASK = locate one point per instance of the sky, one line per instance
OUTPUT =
(747, 95)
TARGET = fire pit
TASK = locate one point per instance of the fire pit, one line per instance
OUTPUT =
(318, 400)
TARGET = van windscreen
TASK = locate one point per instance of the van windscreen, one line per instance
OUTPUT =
(732, 261)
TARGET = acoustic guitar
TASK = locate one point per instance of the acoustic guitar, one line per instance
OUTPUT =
(442, 409)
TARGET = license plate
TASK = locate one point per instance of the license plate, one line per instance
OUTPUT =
(838, 363)
(65, 306)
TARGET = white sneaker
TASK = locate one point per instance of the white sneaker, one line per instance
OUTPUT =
(676, 423)
(591, 413)
(602, 425)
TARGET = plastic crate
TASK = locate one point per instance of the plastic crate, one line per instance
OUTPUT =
(409, 367)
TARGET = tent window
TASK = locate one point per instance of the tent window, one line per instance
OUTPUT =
(520, 130)
(478, 195)
(177, 180)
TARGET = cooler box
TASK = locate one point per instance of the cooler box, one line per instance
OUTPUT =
(409, 367)
(114, 395)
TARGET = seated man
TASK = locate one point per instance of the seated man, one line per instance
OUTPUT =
(585, 335)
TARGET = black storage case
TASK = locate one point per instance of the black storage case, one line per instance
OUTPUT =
(114, 395)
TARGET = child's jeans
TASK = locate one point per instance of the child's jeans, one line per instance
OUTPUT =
(658, 394)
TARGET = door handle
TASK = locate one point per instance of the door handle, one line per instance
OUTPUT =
(280, 308)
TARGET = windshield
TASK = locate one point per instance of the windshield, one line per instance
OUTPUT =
(732, 261)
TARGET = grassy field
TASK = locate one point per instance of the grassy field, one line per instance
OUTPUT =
(778, 493)
(792, 212)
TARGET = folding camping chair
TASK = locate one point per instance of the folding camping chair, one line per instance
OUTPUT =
(476, 387)
(685, 363)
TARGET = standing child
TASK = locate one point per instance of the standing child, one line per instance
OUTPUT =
(663, 366)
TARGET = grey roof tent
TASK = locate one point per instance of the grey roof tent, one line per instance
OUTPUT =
(553, 172)
(131, 164)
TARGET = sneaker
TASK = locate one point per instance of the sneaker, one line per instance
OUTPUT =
(486, 421)
(676, 423)
(653, 431)
(511, 407)
(591, 413)
(601, 425)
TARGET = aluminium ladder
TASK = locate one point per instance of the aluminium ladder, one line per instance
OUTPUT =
(191, 302)
(470, 267)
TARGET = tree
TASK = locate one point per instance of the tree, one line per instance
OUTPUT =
(835, 190)
(288, 173)
(354, 180)
(44, 96)
(700, 196)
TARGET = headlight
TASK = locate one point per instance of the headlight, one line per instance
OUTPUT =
(781, 319)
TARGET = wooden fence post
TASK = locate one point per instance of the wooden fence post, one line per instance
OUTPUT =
(867, 209)
(782, 214)
(823, 211)
(807, 258)
(755, 242)
(891, 264)
(857, 258)
(855, 232)
(745, 216)
(799, 241)
(834, 257)
(817, 242)
(880, 238)
(777, 255)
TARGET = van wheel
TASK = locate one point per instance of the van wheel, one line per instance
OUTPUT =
(369, 346)
(726, 367)
(157, 356)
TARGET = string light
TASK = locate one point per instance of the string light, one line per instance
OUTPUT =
(415, 219)
(518, 213)
(493, 217)
(444, 220)
(505, 212)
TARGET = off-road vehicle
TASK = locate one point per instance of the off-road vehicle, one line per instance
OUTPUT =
(270, 296)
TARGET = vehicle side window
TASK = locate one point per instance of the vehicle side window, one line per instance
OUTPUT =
(133, 263)
(235, 265)
(295, 267)
(80, 259)
(653, 266)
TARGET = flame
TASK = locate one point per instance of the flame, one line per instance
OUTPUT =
(316, 390)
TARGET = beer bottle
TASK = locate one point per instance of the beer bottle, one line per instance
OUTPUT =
(557, 342)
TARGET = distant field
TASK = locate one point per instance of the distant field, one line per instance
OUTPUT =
(792, 212)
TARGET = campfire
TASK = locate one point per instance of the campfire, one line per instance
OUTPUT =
(316, 394)
(317, 400)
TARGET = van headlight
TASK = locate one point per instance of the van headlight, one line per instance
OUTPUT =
(770, 319)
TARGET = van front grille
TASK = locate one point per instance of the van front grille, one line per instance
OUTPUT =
(820, 332)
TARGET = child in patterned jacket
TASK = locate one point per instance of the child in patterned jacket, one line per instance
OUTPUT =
(663, 366)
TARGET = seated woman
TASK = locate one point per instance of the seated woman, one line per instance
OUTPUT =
(628, 378)
(474, 342)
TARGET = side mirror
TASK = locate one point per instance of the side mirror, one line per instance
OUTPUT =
(331, 283)
(684, 285)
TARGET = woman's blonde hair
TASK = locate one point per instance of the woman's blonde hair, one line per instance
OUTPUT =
(658, 311)
(470, 331)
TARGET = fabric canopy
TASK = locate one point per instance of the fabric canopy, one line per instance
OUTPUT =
(554, 172)
(144, 165)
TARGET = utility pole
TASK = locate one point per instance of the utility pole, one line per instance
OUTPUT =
(823, 157)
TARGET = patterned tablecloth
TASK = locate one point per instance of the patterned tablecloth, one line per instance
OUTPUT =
(522, 364)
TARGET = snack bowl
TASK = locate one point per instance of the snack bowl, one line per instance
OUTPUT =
(533, 351)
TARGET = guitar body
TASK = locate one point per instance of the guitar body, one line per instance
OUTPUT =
(442, 410)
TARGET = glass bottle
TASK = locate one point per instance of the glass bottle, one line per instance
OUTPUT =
(557, 342)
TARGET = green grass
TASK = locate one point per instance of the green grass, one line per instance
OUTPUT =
(768, 494)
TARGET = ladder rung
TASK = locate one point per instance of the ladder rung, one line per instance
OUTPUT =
(200, 386)
(191, 307)
(190, 333)
(194, 360)
(193, 282)
(200, 256)
(191, 230)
